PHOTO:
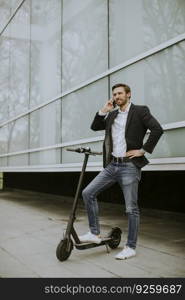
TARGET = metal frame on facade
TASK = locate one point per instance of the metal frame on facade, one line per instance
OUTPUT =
(177, 163)
(12, 16)
(166, 127)
(156, 164)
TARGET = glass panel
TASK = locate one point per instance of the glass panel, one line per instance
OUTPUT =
(3, 145)
(171, 144)
(45, 126)
(84, 44)
(3, 161)
(167, 147)
(158, 82)
(5, 11)
(14, 4)
(4, 140)
(45, 50)
(74, 157)
(45, 157)
(138, 25)
(18, 135)
(18, 140)
(79, 109)
(18, 160)
(4, 74)
(19, 61)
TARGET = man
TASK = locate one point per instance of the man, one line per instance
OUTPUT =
(123, 156)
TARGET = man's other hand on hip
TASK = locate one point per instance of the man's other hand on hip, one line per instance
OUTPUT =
(135, 153)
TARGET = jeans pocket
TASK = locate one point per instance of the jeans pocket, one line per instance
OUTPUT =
(134, 170)
(138, 173)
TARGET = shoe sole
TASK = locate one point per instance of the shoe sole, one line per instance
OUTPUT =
(123, 258)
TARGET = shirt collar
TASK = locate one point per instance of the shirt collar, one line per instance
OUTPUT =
(126, 110)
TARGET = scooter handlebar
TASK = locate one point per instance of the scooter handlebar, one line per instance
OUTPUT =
(84, 150)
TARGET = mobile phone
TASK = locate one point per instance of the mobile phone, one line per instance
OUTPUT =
(114, 103)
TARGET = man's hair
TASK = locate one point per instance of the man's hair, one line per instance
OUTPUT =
(125, 86)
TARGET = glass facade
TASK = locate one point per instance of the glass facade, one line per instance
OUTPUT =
(6, 9)
(84, 41)
(54, 55)
(18, 100)
(79, 108)
(139, 25)
(45, 50)
(158, 82)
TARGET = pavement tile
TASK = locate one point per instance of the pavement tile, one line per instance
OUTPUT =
(11, 267)
(32, 224)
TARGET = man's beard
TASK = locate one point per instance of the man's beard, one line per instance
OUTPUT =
(123, 102)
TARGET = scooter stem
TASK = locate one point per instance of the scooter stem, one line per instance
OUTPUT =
(72, 216)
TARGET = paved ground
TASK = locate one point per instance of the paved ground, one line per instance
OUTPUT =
(31, 225)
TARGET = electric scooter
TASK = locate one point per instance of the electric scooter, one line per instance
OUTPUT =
(71, 238)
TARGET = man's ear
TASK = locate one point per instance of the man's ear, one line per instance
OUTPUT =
(129, 94)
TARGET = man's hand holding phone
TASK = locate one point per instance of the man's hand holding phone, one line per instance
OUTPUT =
(109, 105)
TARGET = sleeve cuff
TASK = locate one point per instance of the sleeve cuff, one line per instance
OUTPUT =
(100, 113)
(142, 150)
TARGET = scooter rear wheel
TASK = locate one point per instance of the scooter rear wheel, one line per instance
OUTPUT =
(115, 235)
(64, 249)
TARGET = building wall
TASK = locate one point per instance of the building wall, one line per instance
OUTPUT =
(58, 62)
(157, 190)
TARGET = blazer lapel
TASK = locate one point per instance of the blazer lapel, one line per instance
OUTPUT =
(130, 114)
(112, 117)
(115, 113)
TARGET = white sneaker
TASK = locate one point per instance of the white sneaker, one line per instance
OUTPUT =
(126, 253)
(90, 238)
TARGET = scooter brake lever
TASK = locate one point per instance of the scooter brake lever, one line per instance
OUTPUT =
(80, 150)
(84, 150)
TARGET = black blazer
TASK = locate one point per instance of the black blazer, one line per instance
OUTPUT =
(138, 121)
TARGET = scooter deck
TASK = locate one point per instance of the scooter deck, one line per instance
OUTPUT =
(82, 246)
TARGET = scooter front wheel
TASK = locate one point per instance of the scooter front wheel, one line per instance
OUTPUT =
(115, 235)
(64, 249)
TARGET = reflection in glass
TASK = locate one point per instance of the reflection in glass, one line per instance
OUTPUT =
(164, 77)
(162, 20)
(19, 61)
(3, 161)
(45, 126)
(31, 71)
(139, 25)
(4, 74)
(7, 8)
(46, 157)
(79, 109)
(172, 144)
(4, 132)
(18, 135)
(18, 160)
(18, 140)
(5, 11)
(158, 82)
(84, 42)
(45, 50)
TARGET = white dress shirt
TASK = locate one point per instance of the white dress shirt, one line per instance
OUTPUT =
(118, 132)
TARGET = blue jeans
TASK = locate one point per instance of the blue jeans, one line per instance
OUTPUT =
(128, 176)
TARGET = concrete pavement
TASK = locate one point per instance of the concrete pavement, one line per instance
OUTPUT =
(32, 224)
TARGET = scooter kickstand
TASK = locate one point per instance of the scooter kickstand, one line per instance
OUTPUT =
(107, 248)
